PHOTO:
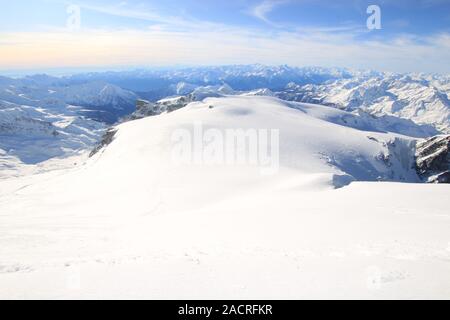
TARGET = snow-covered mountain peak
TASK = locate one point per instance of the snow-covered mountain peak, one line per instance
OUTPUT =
(315, 139)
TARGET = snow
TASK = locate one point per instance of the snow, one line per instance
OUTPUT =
(106, 101)
(415, 98)
(109, 96)
(129, 223)
(30, 136)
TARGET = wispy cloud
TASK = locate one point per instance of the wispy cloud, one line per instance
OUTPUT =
(141, 11)
(170, 40)
(155, 47)
(263, 9)
(124, 10)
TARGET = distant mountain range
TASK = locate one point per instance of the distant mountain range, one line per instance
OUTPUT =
(96, 100)
(423, 99)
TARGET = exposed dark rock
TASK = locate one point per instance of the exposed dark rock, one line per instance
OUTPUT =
(441, 178)
(108, 137)
(433, 159)
(146, 108)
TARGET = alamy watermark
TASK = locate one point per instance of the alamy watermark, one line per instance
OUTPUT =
(374, 20)
(73, 22)
(233, 146)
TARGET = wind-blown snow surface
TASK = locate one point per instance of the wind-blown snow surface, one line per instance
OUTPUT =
(129, 223)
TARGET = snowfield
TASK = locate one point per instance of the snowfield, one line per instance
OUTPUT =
(131, 223)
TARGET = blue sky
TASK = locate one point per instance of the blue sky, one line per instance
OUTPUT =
(415, 34)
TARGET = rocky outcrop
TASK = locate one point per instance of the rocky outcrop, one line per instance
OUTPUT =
(108, 137)
(440, 178)
(433, 159)
(146, 108)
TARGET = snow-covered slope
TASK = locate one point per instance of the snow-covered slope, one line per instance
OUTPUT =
(313, 138)
(135, 222)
